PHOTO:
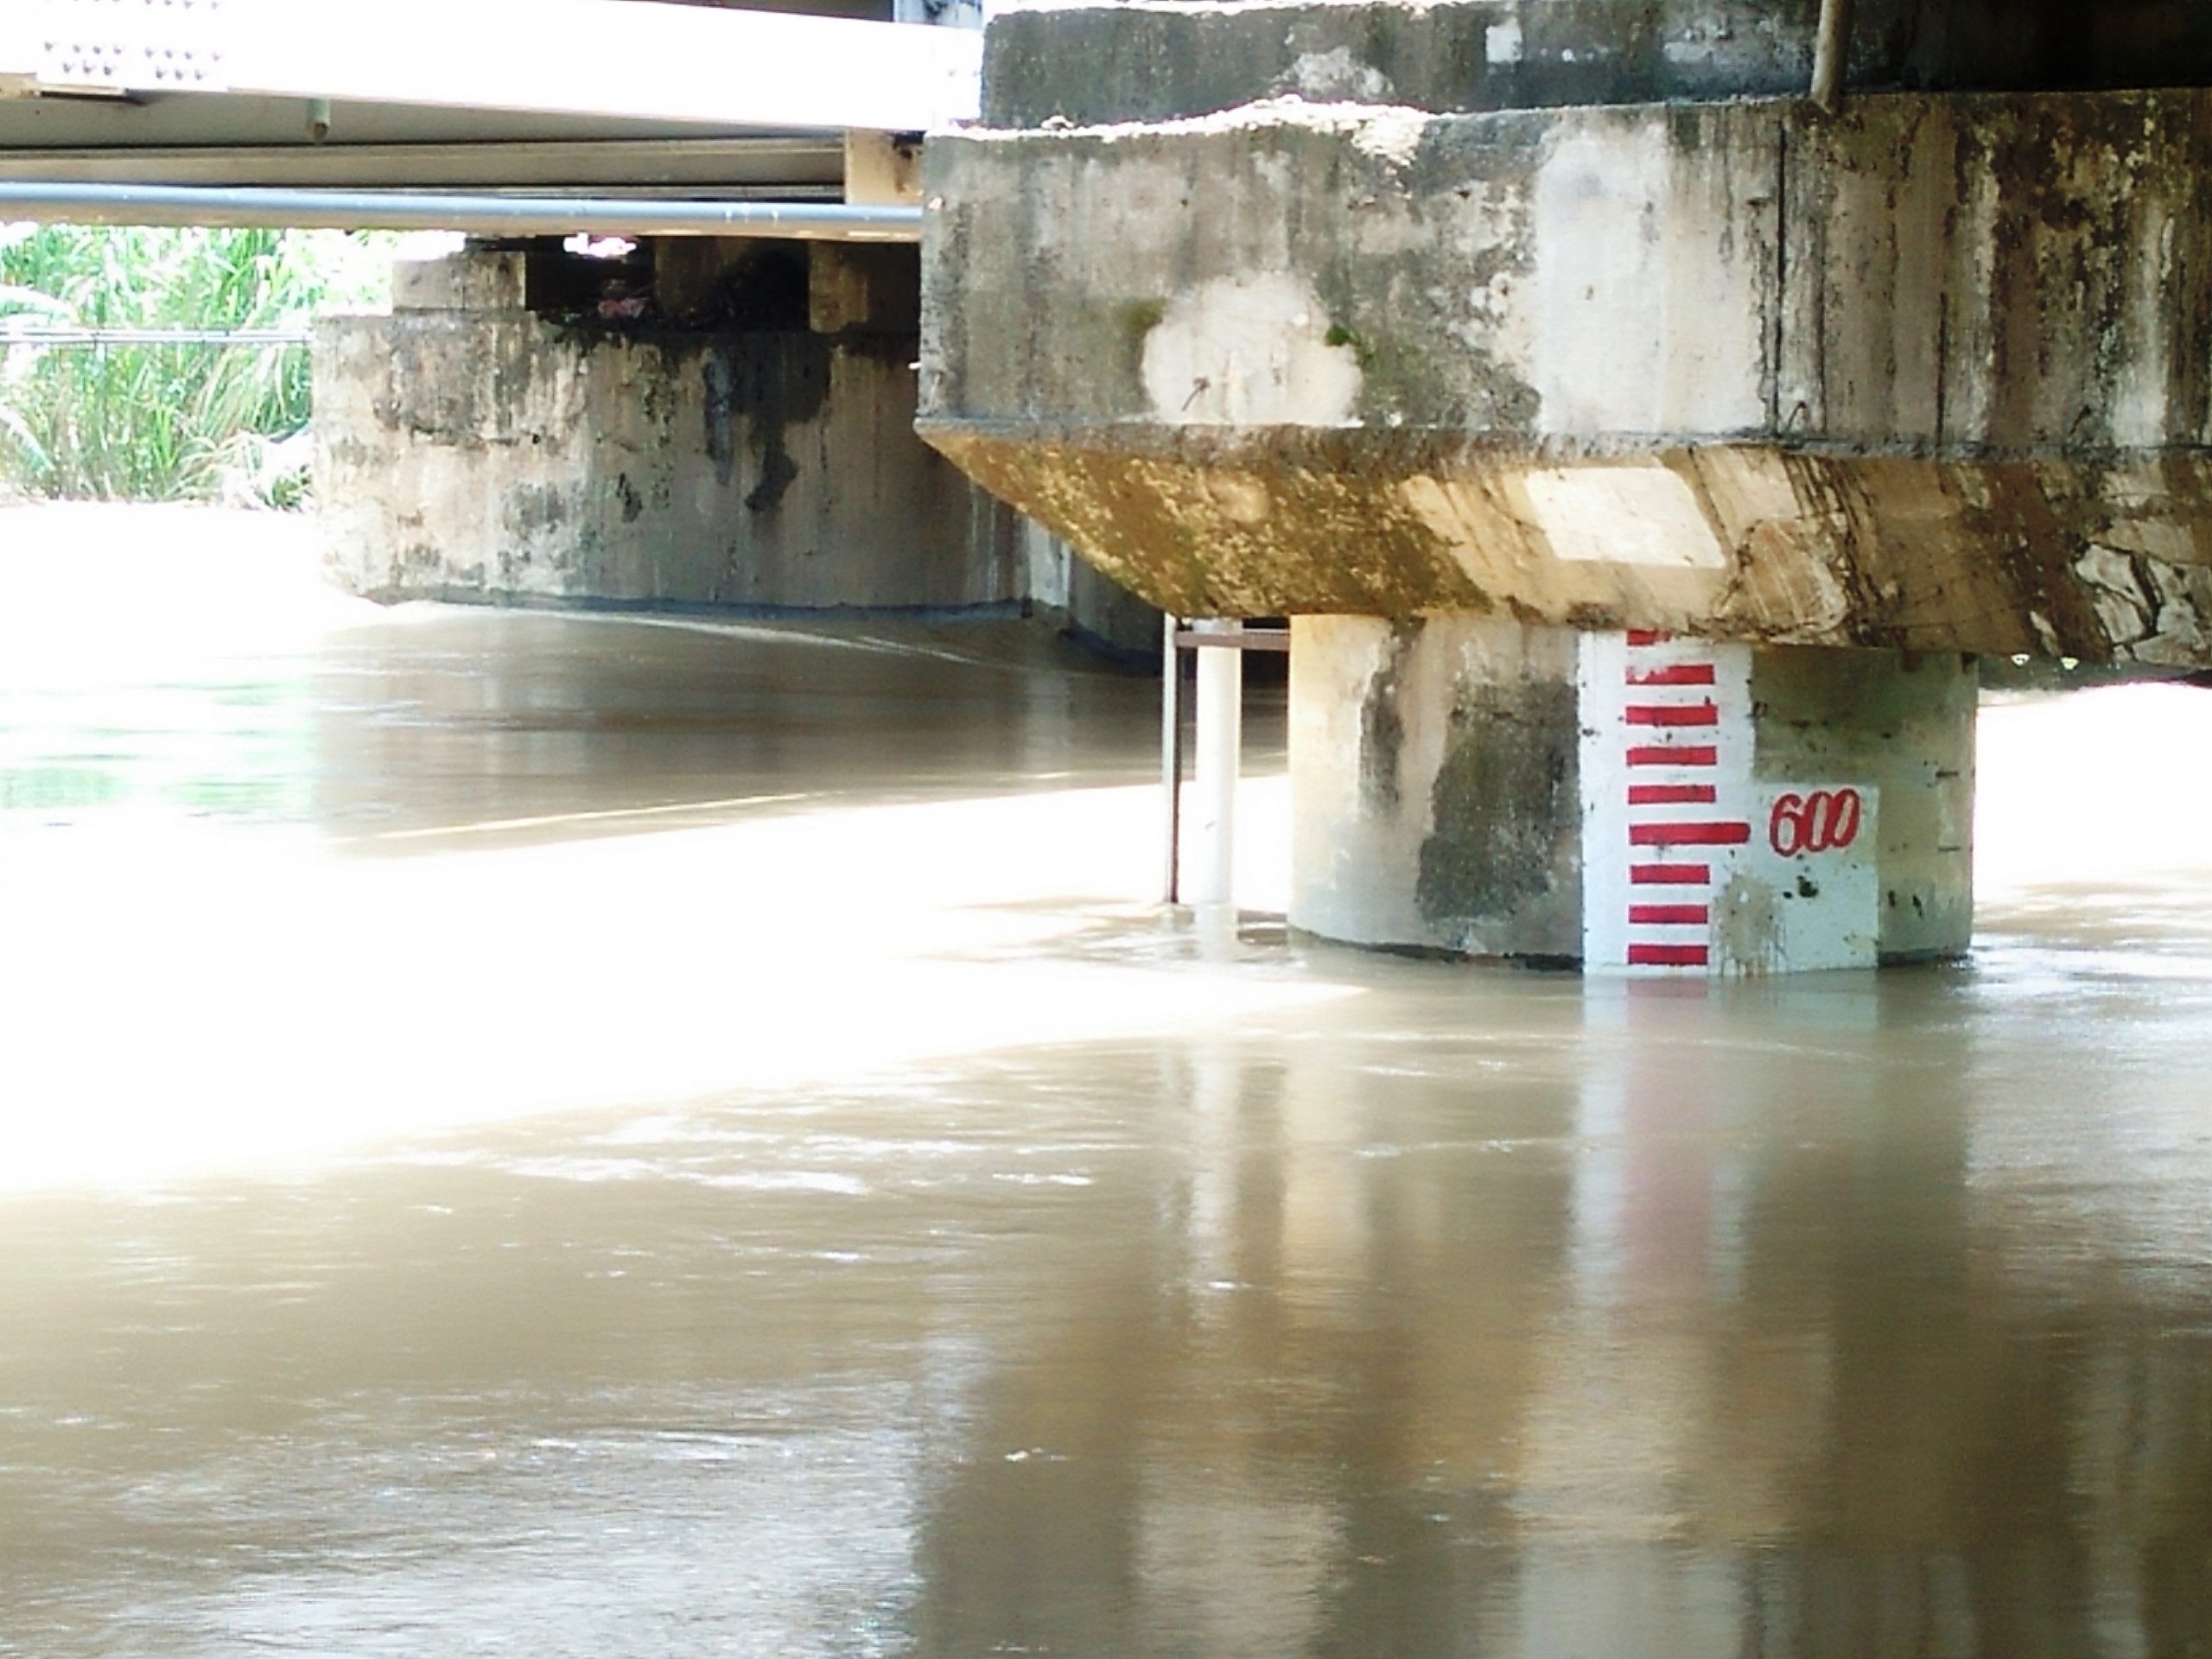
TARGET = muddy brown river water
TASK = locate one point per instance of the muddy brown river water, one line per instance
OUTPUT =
(563, 1135)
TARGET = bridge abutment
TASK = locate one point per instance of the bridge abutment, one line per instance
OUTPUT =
(704, 424)
(1628, 801)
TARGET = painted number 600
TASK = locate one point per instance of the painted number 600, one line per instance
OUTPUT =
(1818, 822)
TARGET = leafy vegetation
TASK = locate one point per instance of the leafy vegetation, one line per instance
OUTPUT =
(167, 422)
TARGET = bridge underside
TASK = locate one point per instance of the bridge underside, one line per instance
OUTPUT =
(627, 97)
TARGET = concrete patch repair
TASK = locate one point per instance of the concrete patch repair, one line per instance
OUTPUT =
(1248, 350)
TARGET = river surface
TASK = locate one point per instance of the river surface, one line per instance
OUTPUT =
(571, 1135)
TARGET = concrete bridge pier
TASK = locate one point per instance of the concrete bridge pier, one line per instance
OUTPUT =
(702, 423)
(1513, 349)
(1629, 801)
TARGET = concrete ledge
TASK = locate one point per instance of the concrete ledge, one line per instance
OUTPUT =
(2107, 560)
(1162, 60)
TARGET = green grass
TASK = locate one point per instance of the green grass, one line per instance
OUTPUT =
(162, 422)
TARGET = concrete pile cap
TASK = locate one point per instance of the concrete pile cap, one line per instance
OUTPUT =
(1585, 314)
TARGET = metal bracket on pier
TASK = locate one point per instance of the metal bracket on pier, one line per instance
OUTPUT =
(1233, 636)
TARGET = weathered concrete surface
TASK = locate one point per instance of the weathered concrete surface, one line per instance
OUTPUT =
(1900, 724)
(466, 457)
(1453, 790)
(1930, 375)
(1434, 802)
(716, 422)
(1067, 590)
(1162, 60)
(482, 279)
(748, 443)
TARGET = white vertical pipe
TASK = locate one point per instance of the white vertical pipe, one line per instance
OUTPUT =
(1170, 750)
(1220, 761)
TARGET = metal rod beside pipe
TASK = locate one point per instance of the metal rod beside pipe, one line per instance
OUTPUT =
(248, 209)
(1830, 52)
(1219, 761)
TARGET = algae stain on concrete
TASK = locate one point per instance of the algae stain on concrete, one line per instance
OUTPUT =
(720, 416)
(1382, 729)
(1500, 794)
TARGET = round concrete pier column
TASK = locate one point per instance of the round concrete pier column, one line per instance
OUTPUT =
(1628, 801)
(1434, 802)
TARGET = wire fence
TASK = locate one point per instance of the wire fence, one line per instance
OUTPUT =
(87, 339)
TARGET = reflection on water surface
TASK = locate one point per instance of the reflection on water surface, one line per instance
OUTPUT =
(572, 1135)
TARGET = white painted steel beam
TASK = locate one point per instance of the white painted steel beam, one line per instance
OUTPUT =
(631, 59)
